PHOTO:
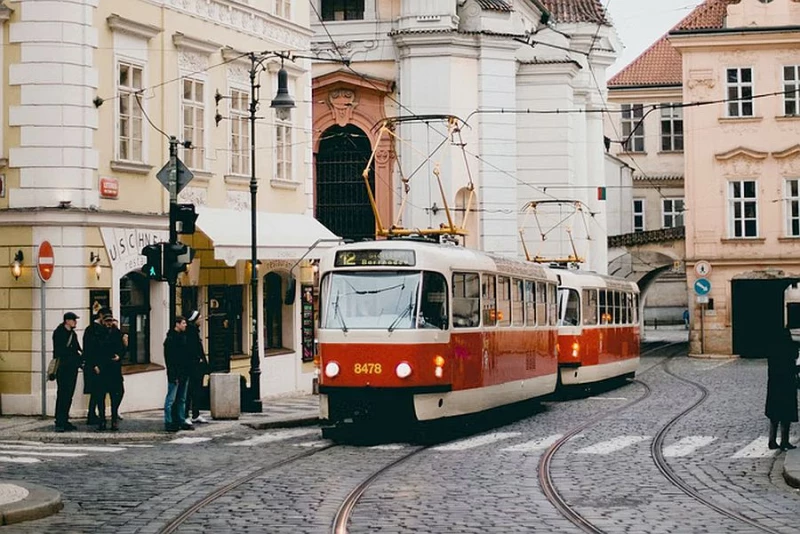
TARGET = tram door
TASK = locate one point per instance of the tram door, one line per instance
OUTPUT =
(342, 200)
(756, 314)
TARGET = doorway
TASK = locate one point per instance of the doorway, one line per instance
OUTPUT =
(756, 314)
(341, 195)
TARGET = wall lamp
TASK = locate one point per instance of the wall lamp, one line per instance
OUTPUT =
(94, 260)
(16, 266)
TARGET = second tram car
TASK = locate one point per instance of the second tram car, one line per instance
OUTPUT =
(598, 333)
(418, 331)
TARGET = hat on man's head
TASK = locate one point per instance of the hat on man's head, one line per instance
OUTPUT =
(69, 316)
(195, 315)
(108, 318)
(104, 311)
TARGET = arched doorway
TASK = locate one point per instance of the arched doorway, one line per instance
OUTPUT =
(134, 320)
(342, 200)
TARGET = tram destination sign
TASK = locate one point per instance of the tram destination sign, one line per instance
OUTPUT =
(361, 258)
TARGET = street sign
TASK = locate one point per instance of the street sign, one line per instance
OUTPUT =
(184, 175)
(702, 299)
(702, 268)
(702, 286)
(46, 261)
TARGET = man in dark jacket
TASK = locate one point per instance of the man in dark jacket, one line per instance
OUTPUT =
(109, 373)
(67, 350)
(92, 338)
(176, 357)
(198, 367)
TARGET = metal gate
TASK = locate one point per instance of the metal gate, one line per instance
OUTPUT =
(342, 200)
(756, 314)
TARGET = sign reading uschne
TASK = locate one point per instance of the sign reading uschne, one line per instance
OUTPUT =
(124, 246)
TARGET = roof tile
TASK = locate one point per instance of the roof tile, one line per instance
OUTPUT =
(577, 11)
(495, 5)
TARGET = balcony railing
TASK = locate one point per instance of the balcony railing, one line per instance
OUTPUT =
(643, 238)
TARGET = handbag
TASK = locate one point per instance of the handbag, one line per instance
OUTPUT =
(52, 369)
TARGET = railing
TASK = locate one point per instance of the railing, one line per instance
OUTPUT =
(643, 238)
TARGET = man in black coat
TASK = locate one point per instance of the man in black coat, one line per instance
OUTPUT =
(67, 350)
(198, 368)
(176, 357)
(93, 336)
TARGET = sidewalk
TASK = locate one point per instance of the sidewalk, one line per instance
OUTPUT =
(21, 501)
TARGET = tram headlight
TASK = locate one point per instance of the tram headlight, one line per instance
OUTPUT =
(438, 361)
(575, 349)
(332, 369)
(403, 370)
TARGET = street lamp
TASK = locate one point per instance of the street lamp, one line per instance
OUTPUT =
(283, 104)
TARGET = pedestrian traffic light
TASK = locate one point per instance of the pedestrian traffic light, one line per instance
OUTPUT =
(153, 267)
(183, 217)
(176, 257)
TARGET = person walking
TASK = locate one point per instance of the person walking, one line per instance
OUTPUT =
(198, 368)
(67, 350)
(92, 338)
(781, 405)
(110, 381)
(176, 357)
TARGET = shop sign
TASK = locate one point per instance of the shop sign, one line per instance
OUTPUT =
(109, 187)
(307, 320)
(124, 246)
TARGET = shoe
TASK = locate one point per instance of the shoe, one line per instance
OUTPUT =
(199, 419)
(60, 429)
(170, 427)
(101, 427)
(184, 426)
(70, 427)
(773, 445)
(188, 420)
(114, 427)
(787, 446)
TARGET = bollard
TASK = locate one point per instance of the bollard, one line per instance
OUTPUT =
(225, 402)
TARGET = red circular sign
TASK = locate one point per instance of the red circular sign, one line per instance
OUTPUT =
(46, 262)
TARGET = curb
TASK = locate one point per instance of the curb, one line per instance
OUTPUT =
(40, 502)
(284, 423)
(791, 468)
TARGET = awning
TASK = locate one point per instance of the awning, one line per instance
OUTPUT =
(281, 236)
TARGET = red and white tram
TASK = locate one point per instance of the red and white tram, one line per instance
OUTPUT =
(419, 331)
(598, 332)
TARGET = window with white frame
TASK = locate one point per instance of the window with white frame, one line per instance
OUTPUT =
(130, 144)
(633, 127)
(283, 150)
(337, 10)
(672, 128)
(283, 8)
(743, 205)
(240, 132)
(791, 90)
(673, 212)
(194, 125)
(638, 215)
(791, 197)
(740, 92)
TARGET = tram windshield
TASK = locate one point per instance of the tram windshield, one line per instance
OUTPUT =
(569, 306)
(388, 300)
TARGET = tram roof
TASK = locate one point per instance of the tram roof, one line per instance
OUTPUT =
(443, 256)
(578, 279)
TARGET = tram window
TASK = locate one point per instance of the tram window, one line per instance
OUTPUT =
(517, 302)
(541, 304)
(552, 302)
(433, 306)
(489, 302)
(628, 308)
(466, 300)
(530, 303)
(503, 301)
(589, 306)
(636, 309)
(569, 307)
(605, 314)
(617, 308)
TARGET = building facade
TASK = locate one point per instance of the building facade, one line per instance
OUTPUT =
(92, 89)
(647, 133)
(502, 69)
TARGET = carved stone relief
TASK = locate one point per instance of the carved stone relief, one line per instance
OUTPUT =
(789, 166)
(740, 128)
(741, 165)
(239, 74)
(192, 62)
(194, 195)
(238, 200)
(342, 102)
(702, 82)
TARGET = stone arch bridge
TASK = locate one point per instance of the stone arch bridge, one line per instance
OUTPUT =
(644, 256)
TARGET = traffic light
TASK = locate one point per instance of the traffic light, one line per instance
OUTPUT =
(183, 217)
(176, 257)
(153, 267)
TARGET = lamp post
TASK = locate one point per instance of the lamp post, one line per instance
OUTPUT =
(283, 104)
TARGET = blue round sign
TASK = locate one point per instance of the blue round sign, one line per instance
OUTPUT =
(702, 286)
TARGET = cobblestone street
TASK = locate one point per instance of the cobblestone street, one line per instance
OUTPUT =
(482, 482)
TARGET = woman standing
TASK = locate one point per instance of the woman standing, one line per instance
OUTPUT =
(781, 407)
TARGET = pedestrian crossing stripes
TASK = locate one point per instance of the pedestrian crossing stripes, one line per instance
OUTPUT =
(34, 452)
(687, 446)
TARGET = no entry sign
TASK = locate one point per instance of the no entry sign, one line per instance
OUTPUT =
(46, 261)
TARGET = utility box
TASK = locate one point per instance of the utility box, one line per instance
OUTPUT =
(225, 401)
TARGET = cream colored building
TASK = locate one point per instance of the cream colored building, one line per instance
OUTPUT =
(82, 80)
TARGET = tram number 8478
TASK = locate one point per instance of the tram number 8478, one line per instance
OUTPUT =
(367, 369)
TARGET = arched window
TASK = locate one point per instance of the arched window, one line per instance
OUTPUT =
(134, 320)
